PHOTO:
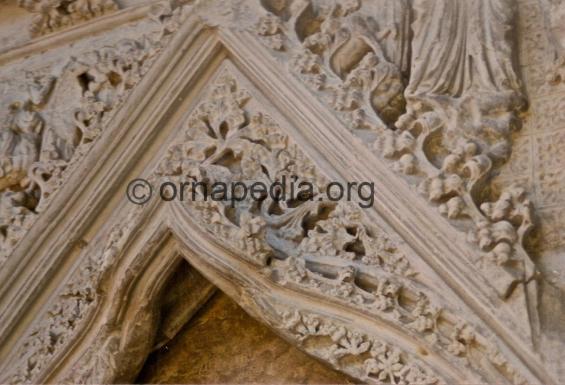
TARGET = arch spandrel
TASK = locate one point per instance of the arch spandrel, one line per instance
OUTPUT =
(369, 291)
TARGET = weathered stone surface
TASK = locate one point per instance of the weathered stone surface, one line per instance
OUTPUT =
(453, 108)
(223, 344)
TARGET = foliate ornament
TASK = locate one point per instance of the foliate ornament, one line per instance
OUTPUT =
(226, 142)
(66, 316)
(270, 28)
(48, 132)
(227, 139)
(445, 127)
(357, 354)
(52, 15)
(21, 134)
(325, 248)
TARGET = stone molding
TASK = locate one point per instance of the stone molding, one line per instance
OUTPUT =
(492, 288)
(51, 16)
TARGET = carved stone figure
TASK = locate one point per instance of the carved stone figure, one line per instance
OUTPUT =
(439, 281)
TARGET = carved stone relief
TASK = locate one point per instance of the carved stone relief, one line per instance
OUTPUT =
(447, 127)
(318, 247)
(61, 117)
(440, 104)
(315, 246)
(50, 16)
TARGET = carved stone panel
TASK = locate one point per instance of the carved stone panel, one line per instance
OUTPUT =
(451, 109)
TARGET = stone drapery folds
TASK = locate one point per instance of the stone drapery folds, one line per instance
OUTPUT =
(440, 100)
(431, 106)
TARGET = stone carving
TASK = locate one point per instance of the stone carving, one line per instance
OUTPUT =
(315, 246)
(318, 245)
(445, 126)
(556, 29)
(378, 362)
(54, 15)
(61, 118)
(20, 138)
(67, 315)
(446, 130)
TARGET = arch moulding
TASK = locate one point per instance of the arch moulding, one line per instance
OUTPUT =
(429, 285)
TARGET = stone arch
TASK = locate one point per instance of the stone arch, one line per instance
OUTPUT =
(382, 298)
(120, 334)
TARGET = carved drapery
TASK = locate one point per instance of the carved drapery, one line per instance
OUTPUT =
(450, 156)
(444, 128)
(445, 124)
(321, 248)
(444, 118)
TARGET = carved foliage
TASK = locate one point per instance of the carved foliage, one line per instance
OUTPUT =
(443, 119)
(75, 301)
(49, 131)
(370, 359)
(317, 246)
(52, 15)
(320, 247)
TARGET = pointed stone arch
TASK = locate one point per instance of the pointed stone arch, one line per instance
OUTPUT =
(411, 307)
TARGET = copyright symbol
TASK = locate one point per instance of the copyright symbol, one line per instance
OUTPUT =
(139, 191)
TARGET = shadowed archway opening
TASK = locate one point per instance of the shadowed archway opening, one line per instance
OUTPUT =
(221, 343)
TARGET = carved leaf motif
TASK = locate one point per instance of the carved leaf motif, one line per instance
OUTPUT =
(56, 124)
(52, 15)
(453, 112)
